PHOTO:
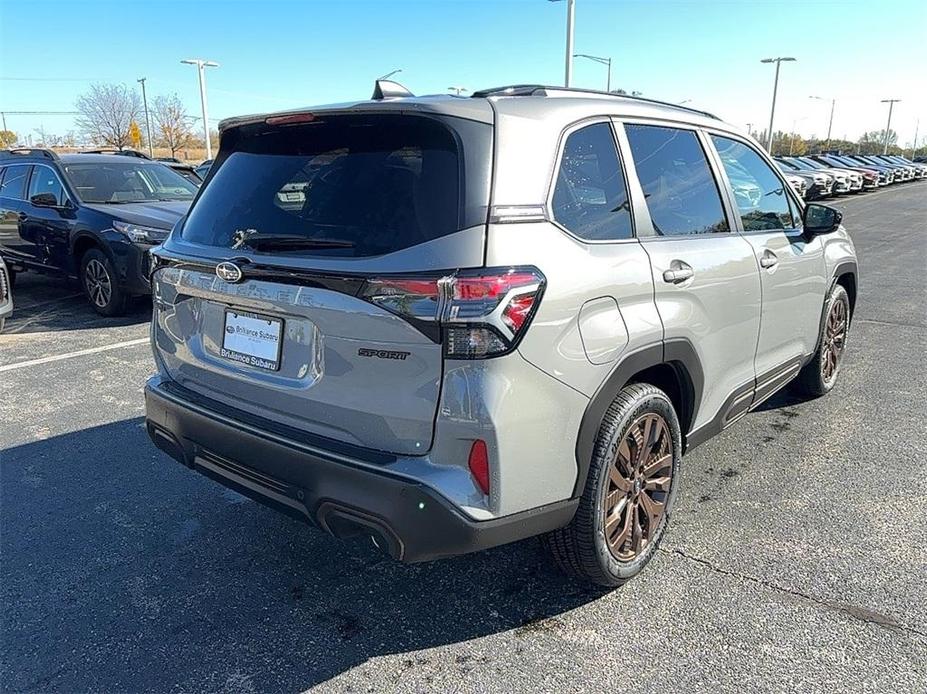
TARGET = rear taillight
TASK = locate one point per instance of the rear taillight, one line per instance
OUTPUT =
(483, 313)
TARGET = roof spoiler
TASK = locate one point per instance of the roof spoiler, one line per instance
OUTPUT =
(387, 89)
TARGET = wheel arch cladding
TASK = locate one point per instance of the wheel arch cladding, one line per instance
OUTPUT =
(845, 275)
(673, 366)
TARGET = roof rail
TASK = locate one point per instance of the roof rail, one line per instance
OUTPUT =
(547, 90)
(28, 152)
(120, 152)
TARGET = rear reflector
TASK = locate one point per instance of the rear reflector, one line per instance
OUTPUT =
(479, 465)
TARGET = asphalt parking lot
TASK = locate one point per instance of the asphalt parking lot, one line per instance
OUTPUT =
(796, 561)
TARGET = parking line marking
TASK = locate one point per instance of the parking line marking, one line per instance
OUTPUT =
(79, 353)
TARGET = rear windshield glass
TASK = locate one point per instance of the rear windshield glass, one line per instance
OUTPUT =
(342, 185)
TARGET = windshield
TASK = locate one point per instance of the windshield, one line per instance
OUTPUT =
(812, 164)
(798, 164)
(121, 182)
(346, 186)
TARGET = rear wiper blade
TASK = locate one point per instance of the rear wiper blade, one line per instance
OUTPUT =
(288, 242)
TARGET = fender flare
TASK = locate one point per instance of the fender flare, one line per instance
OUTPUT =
(844, 267)
(678, 353)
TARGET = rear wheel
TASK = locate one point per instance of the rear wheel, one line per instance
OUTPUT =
(100, 283)
(819, 375)
(625, 507)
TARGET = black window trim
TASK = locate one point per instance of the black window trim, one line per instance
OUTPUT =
(31, 166)
(729, 191)
(552, 183)
(710, 158)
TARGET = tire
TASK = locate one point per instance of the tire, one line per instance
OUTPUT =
(581, 548)
(100, 282)
(819, 376)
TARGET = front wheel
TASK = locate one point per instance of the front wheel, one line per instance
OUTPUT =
(625, 507)
(101, 284)
(819, 375)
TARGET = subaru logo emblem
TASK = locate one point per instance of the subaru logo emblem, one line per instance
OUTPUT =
(229, 272)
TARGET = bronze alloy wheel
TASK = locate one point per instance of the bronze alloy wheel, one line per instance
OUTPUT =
(639, 480)
(835, 336)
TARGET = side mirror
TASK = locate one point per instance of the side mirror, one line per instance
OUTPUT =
(821, 219)
(44, 200)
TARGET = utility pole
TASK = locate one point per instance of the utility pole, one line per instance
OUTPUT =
(772, 110)
(830, 123)
(604, 61)
(147, 120)
(888, 127)
(201, 66)
(917, 127)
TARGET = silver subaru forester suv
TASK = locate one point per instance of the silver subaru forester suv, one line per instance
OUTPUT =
(448, 323)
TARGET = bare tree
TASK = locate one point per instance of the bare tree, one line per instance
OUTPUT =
(173, 123)
(106, 112)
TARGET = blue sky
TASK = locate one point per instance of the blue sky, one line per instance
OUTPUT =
(280, 54)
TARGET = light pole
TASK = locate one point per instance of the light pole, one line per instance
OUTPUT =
(457, 90)
(147, 120)
(888, 126)
(604, 61)
(201, 66)
(571, 12)
(917, 127)
(830, 123)
(389, 74)
(772, 110)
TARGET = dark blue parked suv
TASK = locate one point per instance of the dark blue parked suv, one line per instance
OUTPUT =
(91, 216)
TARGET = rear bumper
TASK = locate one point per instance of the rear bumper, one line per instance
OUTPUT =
(343, 495)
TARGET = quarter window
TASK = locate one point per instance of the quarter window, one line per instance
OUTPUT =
(44, 180)
(760, 194)
(14, 181)
(681, 191)
(590, 196)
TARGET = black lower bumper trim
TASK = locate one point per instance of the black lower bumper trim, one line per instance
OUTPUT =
(408, 519)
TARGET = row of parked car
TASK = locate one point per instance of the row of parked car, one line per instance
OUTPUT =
(819, 176)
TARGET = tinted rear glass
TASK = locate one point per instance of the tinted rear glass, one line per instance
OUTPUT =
(343, 185)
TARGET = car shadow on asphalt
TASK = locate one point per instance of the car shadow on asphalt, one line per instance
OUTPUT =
(124, 571)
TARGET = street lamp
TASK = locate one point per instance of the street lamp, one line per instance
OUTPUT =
(830, 123)
(147, 120)
(457, 90)
(888, 126)
(201, 66)
(571, 12)
(603, 61)
(389, 74)
(772, 110)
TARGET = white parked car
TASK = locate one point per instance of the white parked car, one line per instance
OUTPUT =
(6, 294)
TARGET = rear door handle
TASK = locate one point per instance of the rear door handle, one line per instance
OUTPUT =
(678, 272)
(769, 260)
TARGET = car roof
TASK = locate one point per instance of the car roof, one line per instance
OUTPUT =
(535, 101)
(85, 158)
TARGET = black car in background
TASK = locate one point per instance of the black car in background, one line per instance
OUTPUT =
(90, 216)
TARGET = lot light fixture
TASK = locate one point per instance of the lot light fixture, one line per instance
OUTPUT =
(201, 66)
(888, 126)
(830, 123)
(772, 110)
(571, 14)
(389, 74)
(604, 61)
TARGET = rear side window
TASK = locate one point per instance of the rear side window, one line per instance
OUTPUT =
(14, 181)
(760, 195)
(681, 191)
(590, 196)
(343, 185)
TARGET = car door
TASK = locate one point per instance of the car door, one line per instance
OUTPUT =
(12, 203)
(706, 283)
(792, 268)
(48, 217)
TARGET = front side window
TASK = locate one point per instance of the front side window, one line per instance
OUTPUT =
(46, 181)
(761, 195)
(14, 181)
(120, 182)
(590, 196)
(681, 192)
